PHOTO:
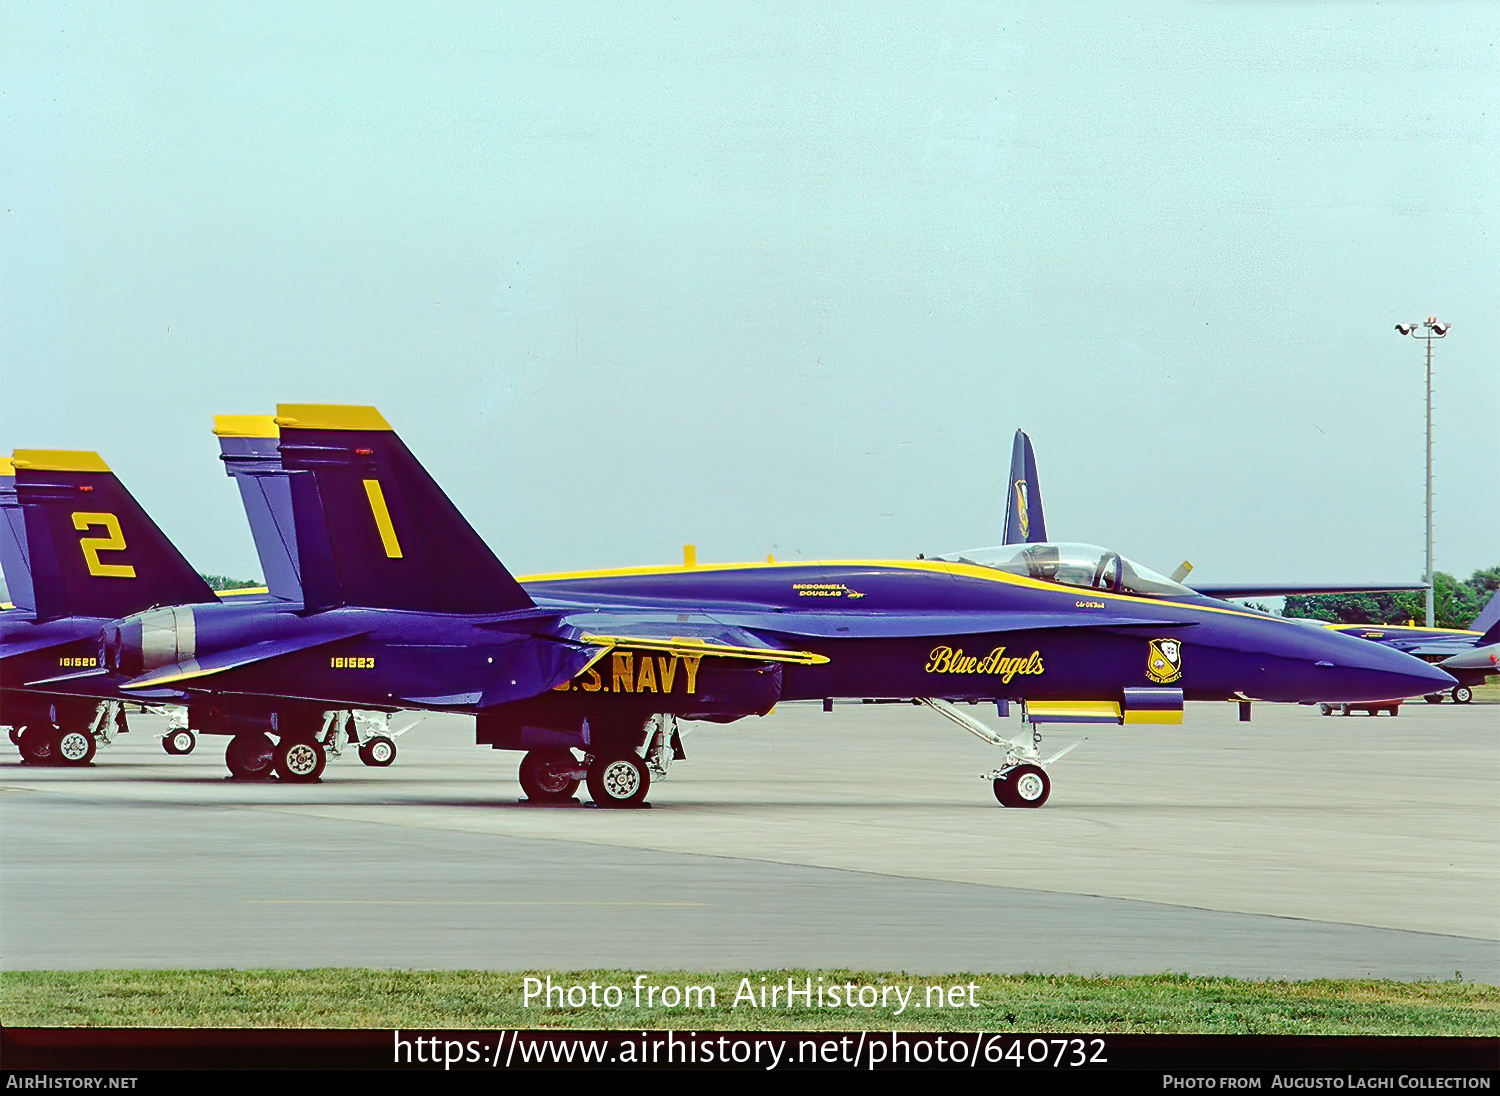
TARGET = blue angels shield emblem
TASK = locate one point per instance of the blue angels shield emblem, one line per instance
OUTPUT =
(1164, 661)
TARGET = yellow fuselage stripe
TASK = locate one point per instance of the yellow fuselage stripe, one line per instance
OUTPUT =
(964, 570)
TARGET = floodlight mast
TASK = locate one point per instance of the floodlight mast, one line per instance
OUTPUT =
(1429, 329)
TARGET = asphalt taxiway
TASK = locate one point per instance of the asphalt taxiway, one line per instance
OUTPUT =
(1294, 846)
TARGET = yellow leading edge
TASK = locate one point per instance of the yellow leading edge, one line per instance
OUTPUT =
(59, 460)
(330, 416)
(681, 645)
(246, 426)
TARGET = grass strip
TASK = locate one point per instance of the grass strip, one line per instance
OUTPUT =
(1160, 1004)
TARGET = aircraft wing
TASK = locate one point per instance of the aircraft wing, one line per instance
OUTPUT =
(30, 644)
(1227, 590)
(687, 634)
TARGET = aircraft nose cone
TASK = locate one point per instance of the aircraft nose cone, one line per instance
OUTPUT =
(1377, 672)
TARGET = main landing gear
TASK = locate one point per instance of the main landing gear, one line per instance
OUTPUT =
(619, 781)
(617, 776)
(305, 748)
(71, 737)
(252, 755)
(1459, 694)
(1022, 780)
(550, 776)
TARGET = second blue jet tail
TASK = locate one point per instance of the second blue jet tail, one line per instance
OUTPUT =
(93, 551)
(248, 446)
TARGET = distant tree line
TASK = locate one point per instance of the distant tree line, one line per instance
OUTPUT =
(1454, 606)
(224, 582)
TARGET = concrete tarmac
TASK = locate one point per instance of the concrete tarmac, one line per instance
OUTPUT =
(1295, 846)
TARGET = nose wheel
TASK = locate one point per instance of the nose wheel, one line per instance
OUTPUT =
(179, 742)
(379, 752)
(1023, 786)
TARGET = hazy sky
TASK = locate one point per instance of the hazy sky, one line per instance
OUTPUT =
(785, 279)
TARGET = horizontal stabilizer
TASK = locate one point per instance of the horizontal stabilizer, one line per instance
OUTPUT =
(20, 642)
(63, 679)
(235, 657)
(530, 668)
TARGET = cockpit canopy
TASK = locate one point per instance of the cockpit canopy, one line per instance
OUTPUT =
(1086, 566)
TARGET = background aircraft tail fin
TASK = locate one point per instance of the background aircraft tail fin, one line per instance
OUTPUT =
(374, 528)
(1024, 523)
(1488, 620)
(93, 550)
(15, 561)
(248, 446)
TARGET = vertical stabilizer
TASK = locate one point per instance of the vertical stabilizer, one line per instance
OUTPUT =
(93, 550)
(1488, 617)
(1024, 523)
(371, 520)
(15, 560)
(248, 448)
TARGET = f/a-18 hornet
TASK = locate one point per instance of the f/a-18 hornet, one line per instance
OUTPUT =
(403, 606)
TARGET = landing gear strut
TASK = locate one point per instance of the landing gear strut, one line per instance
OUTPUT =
(1022, 780)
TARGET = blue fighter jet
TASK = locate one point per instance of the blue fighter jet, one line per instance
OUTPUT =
(404, 606)
(1470, 655)
(77, 551)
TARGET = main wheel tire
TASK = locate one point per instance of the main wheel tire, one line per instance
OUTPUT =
(1326, 709)
(1023, 786)
(544, 776)
(1462, 694)
(38, 746)
(619, 781)
(1395, 710)
(250, 756)
(1433, 698)
(1347, 709)
(179, 742)
(299, 761)
(76, 747)
(379, 752)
